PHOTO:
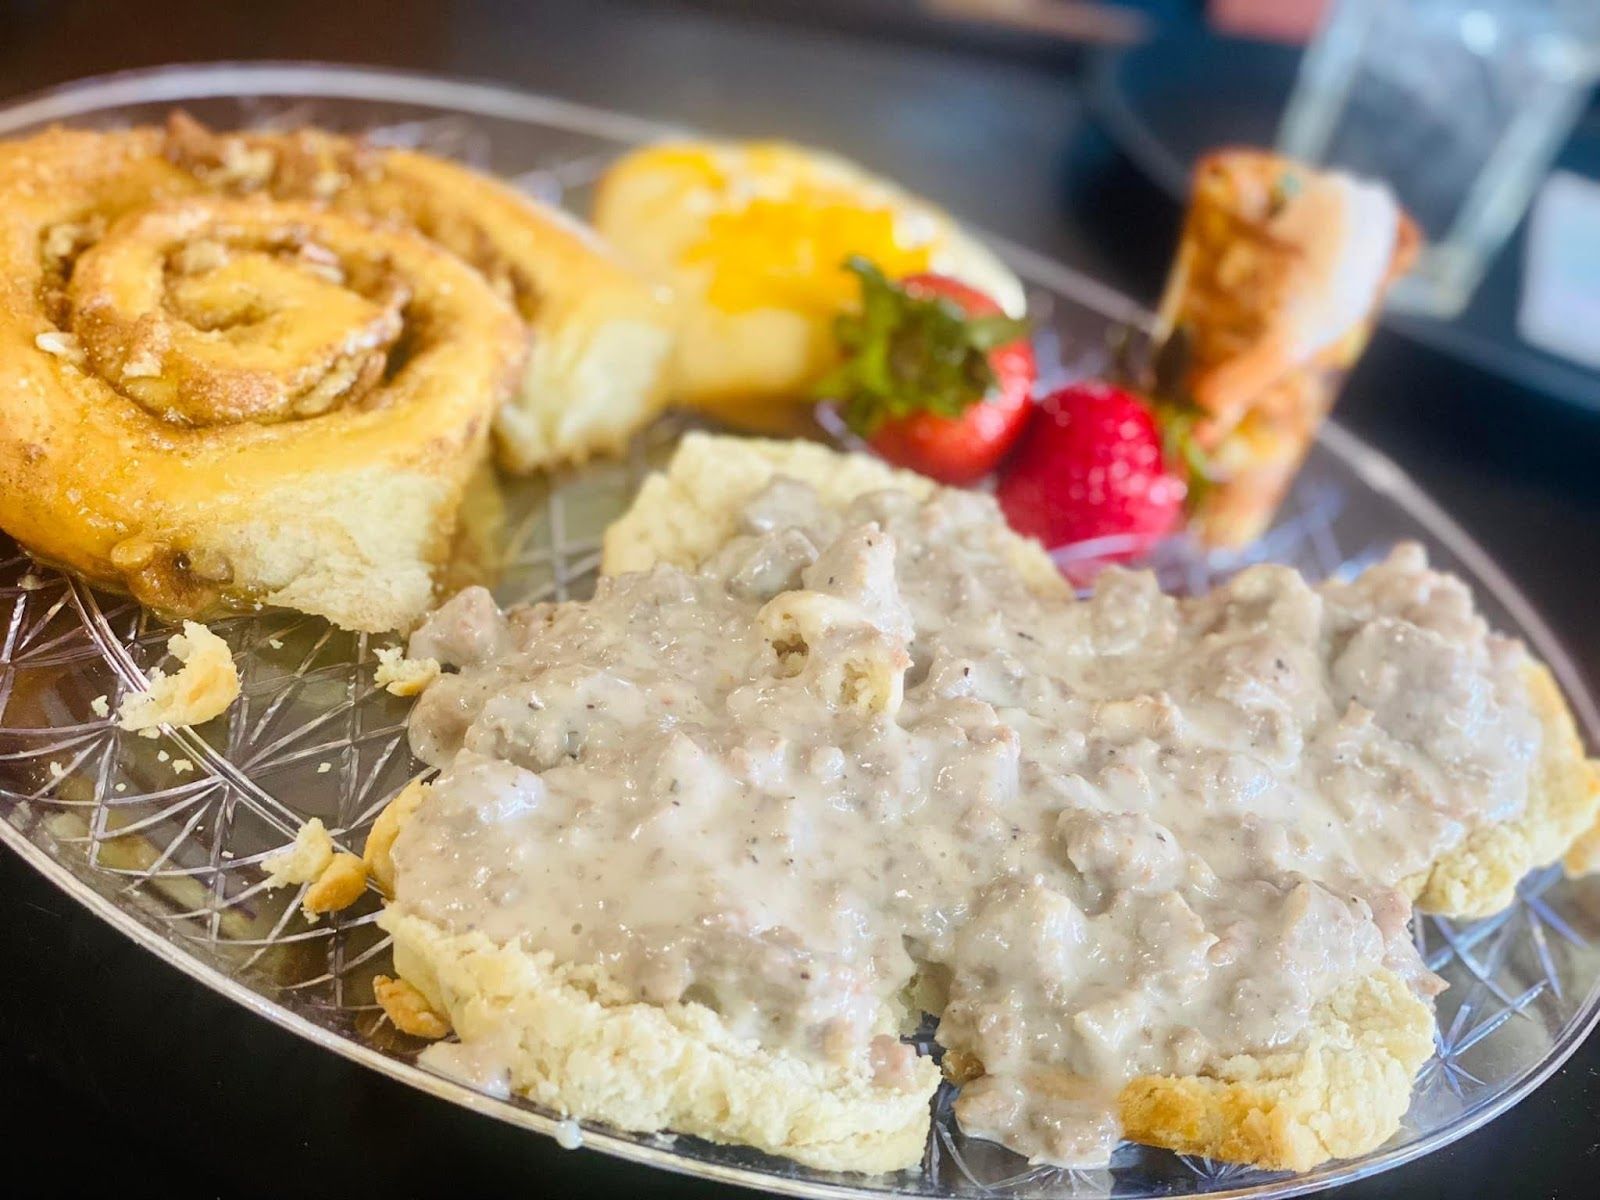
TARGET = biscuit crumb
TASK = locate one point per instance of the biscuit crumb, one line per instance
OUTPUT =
(203, 688)
(408, 1008)
(337, 879)
(182, 766)
(56, 770)
(162, 756)
(275, 643)
(303, 860)
(324, 767)
(401, 676)
(100, 706)
(340, 885)
(120, 788)
(30, 582)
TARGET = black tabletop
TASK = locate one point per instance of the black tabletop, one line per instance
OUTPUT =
(117, 1072)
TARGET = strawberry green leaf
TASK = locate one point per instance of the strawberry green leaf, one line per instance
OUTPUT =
(904, 354)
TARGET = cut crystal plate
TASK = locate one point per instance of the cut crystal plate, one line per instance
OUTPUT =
(164, 838)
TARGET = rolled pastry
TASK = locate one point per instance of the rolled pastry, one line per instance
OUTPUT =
(259, 368)
(600, 336)
(1280, 273)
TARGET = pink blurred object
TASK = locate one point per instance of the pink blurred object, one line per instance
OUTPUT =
(1292, 21)
(1069, 20)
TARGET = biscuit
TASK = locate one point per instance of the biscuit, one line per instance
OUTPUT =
(577, 1043)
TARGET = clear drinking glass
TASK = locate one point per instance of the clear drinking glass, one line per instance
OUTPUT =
(1459, 104)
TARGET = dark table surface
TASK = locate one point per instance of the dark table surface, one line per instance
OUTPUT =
(117, 1072)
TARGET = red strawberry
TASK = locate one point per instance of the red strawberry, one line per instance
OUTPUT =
(934, 375)
(1090, 466)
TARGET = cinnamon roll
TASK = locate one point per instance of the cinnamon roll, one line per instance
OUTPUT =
(600, 336)
(259, 369)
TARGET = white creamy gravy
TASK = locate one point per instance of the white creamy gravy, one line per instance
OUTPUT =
(854, 766)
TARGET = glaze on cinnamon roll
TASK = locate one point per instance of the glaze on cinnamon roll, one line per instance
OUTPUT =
(242, 369)
(213, 399)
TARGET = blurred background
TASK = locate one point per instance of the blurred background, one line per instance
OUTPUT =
(1069, 126)
(1066, 123)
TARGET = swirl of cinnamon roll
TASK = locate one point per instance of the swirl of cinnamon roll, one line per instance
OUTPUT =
(212, 312)
(600, 336)
(251, 369)
(216, 400)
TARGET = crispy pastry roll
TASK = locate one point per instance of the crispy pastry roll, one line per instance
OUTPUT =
(1280, 273)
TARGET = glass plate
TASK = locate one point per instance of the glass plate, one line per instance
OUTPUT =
(164, 837)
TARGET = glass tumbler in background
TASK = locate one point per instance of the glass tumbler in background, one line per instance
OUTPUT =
(1459, 104)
